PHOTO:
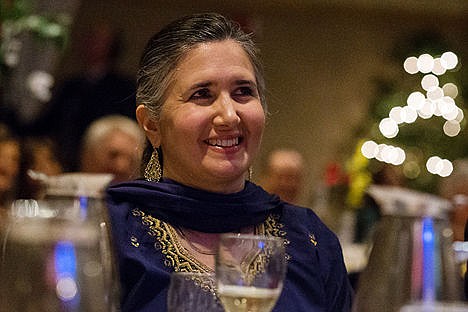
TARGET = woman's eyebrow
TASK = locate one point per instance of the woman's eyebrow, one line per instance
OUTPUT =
(205, 84)
(202, 84)
(245, 81)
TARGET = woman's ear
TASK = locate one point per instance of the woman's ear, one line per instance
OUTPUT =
(149, 125)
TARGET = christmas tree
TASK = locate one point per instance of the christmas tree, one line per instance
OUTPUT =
(416, 122)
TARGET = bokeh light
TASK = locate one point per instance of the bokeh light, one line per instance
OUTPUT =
(438, 68)
(435, 93)
(383, 152)
(460, 115)
(451, 128)
(429, 82)
(449, 60)
(416, 99)
(411, 169)
(436, 100)
(425, 63)
(388, 128)
(369, 149)
(446, 168)
(439, 166)
(448, 108)
(66, 288)
(395, 114)
(411, 65)
(427, 110)
(409, 114)
(450, 89)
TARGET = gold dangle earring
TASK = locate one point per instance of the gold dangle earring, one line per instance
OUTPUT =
(250, 176)
(153, 171)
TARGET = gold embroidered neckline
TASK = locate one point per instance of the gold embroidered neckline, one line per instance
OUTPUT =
(180, 258)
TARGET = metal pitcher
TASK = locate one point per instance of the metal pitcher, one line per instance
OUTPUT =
(56, 252)
(412, 261)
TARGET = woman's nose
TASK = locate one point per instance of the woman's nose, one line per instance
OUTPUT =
(226, 113)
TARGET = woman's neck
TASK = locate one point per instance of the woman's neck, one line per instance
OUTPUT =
(203, 246)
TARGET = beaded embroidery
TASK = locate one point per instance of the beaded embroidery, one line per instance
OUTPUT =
(179, 257)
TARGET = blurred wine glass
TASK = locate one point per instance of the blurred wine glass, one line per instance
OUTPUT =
(250, 271)
(192, 292)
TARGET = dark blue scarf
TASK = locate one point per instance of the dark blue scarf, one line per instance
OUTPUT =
(196, 209)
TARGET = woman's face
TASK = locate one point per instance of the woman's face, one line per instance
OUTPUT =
(212, 122)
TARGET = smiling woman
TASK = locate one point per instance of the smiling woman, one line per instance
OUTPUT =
(210, 126)
(200, 101)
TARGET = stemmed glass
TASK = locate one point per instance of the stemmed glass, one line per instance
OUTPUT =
(250, 270)
(192, 292)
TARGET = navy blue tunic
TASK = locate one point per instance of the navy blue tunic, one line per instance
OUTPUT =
(143, 213)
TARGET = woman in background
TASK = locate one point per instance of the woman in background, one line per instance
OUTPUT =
(10, 158)
(39, 154)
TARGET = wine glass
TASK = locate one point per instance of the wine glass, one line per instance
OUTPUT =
(250, 270)
(52, 260)
(192, 292)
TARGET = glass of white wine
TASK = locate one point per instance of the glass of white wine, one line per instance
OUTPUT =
(250, 270)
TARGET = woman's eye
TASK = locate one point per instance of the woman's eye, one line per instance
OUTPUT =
(244, 91)
(200, 94)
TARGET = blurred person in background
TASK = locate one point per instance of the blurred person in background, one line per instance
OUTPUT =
(10, 158)
(466, 264)
(284, 174)
(455, 189)
(98, 91)
(113, 144)
(369, 213)
(40, 155)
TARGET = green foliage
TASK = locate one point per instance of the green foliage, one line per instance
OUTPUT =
(18, 18)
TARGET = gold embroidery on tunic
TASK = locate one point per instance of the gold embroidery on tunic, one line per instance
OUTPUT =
(179, 258)
(134, 241)
(312, 239)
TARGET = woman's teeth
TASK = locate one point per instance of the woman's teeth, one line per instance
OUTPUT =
(223, 143)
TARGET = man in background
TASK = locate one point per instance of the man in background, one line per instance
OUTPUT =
(284, 175)
(113, 144)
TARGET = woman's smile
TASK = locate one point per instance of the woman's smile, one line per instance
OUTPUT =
(223, 142)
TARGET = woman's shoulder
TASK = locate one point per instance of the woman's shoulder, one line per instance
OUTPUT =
(119, 212)
(305, 215)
